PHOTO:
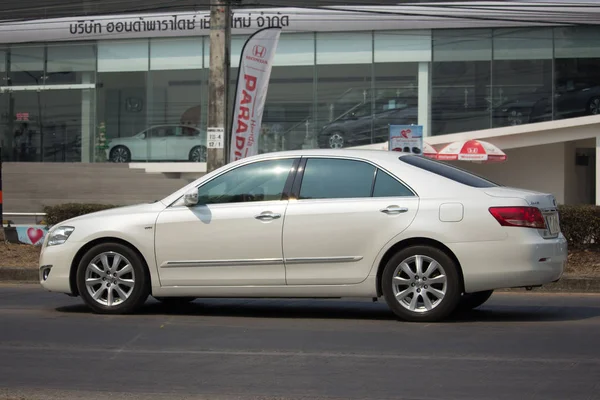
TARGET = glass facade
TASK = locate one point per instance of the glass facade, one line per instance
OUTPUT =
(146, 99)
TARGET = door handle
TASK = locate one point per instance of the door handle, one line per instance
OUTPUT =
(394, 210)
(267, 215)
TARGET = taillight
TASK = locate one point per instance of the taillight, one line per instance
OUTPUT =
(528, 217)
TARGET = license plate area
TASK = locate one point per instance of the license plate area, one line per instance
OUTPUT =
(552, 224)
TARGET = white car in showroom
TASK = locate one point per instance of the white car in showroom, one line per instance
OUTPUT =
(428, 237)
(160, 143)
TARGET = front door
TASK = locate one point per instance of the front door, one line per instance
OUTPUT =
(346, 212)
(233, 236)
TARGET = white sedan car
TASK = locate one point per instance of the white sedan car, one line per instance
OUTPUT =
(427, 237)
(160, 143)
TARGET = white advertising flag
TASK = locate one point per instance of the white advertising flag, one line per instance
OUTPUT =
(251, 92)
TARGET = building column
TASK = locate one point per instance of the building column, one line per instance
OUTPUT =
(86, 120)
(597, 170)
(424, 108)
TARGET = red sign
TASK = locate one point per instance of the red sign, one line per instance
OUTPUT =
(23, 116)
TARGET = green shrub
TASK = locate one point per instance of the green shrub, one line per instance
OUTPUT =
(63, 212)
(580, 225)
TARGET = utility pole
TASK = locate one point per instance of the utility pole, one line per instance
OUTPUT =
(218, 82)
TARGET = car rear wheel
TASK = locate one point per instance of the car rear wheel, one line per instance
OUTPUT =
(198, 154)
(112, 279)
(421, 284)
(120, 154)
(594, 106)
(470, 301)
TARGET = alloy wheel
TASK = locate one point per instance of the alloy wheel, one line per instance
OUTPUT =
(336, 141)
(595, 106)
(419, 283)
(515, 117)
(109, 279)
(198, 154)
(120, 155)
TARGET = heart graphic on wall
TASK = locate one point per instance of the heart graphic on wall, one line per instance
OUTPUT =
(35, 234)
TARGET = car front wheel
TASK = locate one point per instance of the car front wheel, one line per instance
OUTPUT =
(421, 284)
(112, 279)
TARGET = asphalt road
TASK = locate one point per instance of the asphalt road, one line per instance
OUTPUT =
(518, 346)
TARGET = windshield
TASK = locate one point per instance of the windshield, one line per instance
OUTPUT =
(448, 171)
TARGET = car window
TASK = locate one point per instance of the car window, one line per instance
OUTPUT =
(386, 186)
(448, 171)
(334, 178)
(260, 181)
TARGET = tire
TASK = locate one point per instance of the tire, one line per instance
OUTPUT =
(516, 117)
(439, 306)
(197, 154)
(470, 301)
(133, 282)
(593, 107)
(120, 154)
(332, 139)
(175, 301)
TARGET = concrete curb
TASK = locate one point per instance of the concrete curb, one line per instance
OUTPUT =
(19, 274)
(568, 284)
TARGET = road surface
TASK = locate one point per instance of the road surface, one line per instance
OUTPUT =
(517, 346)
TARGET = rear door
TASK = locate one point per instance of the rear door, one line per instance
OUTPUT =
(346, 211)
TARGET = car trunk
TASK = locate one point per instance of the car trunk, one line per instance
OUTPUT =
(544, 201)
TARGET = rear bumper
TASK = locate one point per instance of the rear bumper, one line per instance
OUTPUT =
(511, 263)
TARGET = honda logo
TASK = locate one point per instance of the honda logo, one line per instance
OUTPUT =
(472, 150)
(259, 51)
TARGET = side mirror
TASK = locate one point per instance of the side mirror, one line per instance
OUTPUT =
(190, 198)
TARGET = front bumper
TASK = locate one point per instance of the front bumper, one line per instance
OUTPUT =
(55, 267)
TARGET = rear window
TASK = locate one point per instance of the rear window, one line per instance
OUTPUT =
(448, 171)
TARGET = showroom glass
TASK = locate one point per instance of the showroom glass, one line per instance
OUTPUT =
(259, 181)
(336, 178)
(521, 74)
(461, 80)
(122, 95)
(386, 186)
(176, 96)
(344, 84)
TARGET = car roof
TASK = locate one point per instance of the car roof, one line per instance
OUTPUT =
(374, 155)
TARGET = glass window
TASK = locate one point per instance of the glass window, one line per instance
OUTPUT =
(176, 53)
(522, 74)
(3, 67)
(26, 65)
(402, 46)
(461, 80)
(386, 186)
(260, 181)
(344, 48)
(448, 171)
(295, 49)
(123, 55)
(334, 179)
(71, 63)
(577, 74)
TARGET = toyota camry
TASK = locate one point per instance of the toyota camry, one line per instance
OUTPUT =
(427, 237)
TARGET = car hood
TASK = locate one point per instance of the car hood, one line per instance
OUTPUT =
(117, 212)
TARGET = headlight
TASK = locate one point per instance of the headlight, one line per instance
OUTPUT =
(59, 235)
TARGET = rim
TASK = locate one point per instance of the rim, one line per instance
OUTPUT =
(595, 106)
(419, 283)
(109, 279)
(119, 154)
(336, 141)
(198, 154)
(515, 117)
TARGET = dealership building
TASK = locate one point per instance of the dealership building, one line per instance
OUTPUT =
(522, 75)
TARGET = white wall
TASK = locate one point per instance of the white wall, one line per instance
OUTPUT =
(540, 168)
